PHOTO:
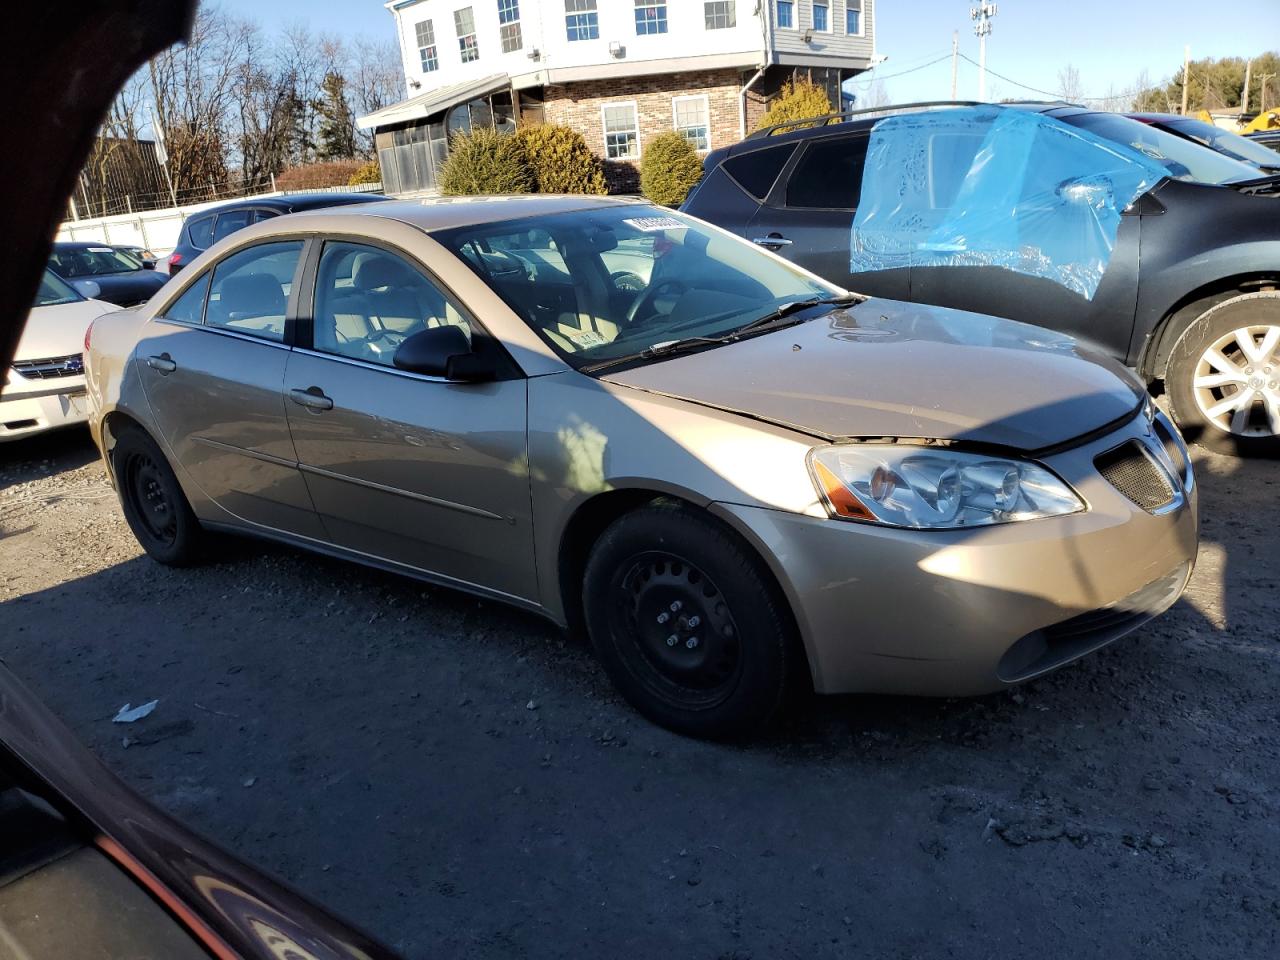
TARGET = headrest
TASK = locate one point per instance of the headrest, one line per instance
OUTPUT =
(257, 294)
(375, 272)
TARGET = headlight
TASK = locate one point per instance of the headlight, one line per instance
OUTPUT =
(935, 488)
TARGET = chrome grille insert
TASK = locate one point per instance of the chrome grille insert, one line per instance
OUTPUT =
(52, 368)
(1132, 470)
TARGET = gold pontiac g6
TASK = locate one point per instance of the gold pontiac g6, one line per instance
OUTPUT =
(737, 478)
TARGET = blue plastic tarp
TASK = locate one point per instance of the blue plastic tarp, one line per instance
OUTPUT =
(995, 186)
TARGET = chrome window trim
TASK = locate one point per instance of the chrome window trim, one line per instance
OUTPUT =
(371, 365)
(221, 331)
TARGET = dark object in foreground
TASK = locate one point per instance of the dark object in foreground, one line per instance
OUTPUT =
(89, 869)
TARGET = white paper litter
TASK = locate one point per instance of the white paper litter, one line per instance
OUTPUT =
(129, 714)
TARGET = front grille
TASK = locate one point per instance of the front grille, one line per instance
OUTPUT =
(52, 368)
(1132, 471)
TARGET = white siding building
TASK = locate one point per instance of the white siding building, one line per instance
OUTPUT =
(619, 71)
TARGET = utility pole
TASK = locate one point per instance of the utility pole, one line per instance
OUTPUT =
(1262, 104)
(981, 16)
(1186, 76)
(1244, 97)
(955, 60)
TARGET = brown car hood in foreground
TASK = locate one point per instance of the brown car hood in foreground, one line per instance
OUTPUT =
(889, 369)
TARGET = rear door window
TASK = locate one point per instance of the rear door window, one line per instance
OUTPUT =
(260, 215)
(250, 290)
(829, 175)
(200, 232)
(756, 171)
(230, 222)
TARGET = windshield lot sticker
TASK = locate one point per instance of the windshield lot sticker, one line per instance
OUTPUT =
(586, 339)
(99, 249)
(655, 224)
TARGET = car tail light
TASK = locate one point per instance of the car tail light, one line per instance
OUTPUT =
(88, 335)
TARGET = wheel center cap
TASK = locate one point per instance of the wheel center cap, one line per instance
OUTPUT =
(1256, 383)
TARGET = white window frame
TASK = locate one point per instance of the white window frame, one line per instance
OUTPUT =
(829, 4)
(862, 20)
(732, 5)
(651, 4)
(433, 47)
(513, 23)
(795, 15)
(706, 108)
(604, 130)
(462, 37)
(580, 27)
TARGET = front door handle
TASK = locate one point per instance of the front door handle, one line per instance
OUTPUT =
(312, 398)
(162, 364)
(773, 240)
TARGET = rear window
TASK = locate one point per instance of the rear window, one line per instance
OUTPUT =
(756, 171)
(200, 233)
(829, 175)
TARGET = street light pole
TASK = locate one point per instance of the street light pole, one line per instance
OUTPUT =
(981, 16)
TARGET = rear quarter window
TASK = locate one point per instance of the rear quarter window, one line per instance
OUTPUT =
(757, 171)
(200, 232)
(829, 175)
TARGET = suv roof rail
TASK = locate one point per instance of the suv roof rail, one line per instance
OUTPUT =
(841, 117)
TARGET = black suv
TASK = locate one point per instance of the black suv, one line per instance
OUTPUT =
(1209, 234)
(202, 230)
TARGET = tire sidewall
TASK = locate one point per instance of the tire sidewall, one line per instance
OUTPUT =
(765, 635)
(185, 548)
(1245, 310)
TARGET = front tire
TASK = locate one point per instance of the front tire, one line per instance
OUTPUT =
(688, 623)
(154, 505)
(1224, 377)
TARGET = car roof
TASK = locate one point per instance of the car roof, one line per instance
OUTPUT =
(445, 213)
(292, 201)
(81, 244)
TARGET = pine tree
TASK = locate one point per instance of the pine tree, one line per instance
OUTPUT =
(335, 126)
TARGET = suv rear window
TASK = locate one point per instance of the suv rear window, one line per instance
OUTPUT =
(231, 221)
(829, 175)
(756, 171)
(200, 233)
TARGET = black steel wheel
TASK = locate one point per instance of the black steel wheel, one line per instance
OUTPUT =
(689, 624)
(154, 505)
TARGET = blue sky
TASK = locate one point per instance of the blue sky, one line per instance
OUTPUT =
(1108, 42)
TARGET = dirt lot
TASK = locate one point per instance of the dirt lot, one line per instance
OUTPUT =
(459, 778)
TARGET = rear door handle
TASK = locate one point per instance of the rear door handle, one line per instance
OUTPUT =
(773, 240)
(162, 364)
(312, 398)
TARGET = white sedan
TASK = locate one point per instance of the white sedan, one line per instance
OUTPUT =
(44, 387)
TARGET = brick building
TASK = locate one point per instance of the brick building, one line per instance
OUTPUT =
(618, 71)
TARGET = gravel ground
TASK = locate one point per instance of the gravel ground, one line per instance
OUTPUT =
(459, 778)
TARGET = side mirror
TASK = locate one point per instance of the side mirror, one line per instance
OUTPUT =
(443, 351)
(88, 289)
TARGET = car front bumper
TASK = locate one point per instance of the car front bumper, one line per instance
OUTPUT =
(955, 613)
(34, 410)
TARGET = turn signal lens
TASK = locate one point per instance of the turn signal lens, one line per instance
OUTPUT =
(839, 497)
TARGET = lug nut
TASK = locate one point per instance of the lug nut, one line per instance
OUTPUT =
(675, 606)
(672, 640)
(691, 643)
(664, 617)
(694, 621)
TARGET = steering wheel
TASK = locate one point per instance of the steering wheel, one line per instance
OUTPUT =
(646, 299)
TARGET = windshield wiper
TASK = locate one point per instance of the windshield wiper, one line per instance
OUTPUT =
(770, 321)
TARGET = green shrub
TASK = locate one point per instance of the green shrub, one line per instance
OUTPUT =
(367, 173)
(485, 161)
(669, 169)
(797, 100)
(561, 160)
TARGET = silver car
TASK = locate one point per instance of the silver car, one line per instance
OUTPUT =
(739, 480)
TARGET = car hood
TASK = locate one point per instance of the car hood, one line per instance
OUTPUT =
(58, 330)
(889, 369)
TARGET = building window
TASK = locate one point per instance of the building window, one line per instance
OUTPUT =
(651, 17)
(692, 118)
(621, 131)
(427, 46)
(464, 22)
(853, 18)
(786, 14)
(720, 14)
(822, 15)
(581, 20)
(509, 25)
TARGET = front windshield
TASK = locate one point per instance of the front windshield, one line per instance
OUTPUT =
(609, 282)
(92, 261)
(54, 290)
(1224, 141)
(1183, 159)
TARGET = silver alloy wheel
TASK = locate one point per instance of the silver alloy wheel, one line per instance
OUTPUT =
(1237, 382)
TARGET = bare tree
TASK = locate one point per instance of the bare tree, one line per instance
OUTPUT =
(375, 81)
(1069, 86)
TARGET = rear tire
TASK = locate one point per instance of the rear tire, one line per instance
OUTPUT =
(154, 505)
(689, 624)
(1223, 380)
